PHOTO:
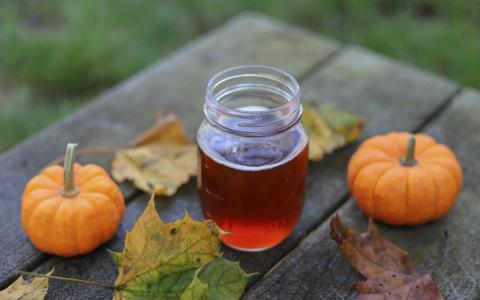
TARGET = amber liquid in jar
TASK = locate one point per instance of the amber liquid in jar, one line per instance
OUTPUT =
(258, 205)
(253, 156)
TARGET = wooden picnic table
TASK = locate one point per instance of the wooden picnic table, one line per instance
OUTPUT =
(388, 94)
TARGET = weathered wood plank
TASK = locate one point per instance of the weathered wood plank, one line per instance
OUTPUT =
(448, 247)
(176, 83)
(357, 80)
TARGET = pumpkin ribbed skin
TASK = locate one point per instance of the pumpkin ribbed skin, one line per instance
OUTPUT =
(399, 194)
(69, 226)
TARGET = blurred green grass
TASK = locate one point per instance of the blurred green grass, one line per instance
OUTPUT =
(54, 55)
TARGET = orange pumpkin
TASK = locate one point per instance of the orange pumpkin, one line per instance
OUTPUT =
(404, 179)
(72, 210)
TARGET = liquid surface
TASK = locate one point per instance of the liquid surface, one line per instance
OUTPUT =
(254, 191)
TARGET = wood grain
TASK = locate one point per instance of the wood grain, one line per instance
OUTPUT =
(448, 247)
(357, 80)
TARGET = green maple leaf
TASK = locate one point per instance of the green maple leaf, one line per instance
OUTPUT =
(180, 260)
(225, 279)
(195, 290)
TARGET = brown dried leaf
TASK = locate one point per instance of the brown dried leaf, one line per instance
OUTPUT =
(35, 289)
(390, 271)
(161, 159)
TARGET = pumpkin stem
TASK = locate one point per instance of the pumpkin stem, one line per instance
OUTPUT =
(69, 188)
(409, 159)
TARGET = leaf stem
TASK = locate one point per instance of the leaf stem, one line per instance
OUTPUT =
(74, 280)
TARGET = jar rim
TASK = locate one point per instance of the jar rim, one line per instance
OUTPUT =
(292, 81)
(268, 120)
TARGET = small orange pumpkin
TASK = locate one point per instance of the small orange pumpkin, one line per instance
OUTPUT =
(72, 210)
(404, 179)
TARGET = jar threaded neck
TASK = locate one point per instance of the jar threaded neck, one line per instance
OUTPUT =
(253, 100)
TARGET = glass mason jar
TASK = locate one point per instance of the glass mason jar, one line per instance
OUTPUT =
(253, 156)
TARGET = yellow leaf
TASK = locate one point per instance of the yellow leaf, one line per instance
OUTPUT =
(154, 245)
(168, 130)
(180, 260)
(344, 123)
(36, 289)
(161, 159)
(328, 129)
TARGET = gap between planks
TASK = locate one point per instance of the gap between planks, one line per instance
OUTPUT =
(326, 216)
(322, 63)
(346, 196)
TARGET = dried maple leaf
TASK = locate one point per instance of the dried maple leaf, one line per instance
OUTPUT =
(161, 159)
(168, 130)
(328, 129)
(180, 260)
(390, 271)
(347, 124)
(36, 289)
